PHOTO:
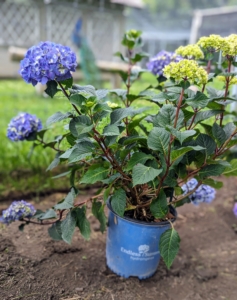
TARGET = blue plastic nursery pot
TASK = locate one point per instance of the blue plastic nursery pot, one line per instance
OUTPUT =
(132, 247)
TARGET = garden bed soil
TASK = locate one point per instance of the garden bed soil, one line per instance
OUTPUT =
(33, 267)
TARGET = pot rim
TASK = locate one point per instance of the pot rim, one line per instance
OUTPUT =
(163, 223)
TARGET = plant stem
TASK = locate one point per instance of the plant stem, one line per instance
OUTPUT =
(66, 94)
(226, 93)
(178, 108)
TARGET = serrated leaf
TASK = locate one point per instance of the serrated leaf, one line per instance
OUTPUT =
(49, 214)
(68, 226)
(181, 135)
(159, 207)
(82, 222)
(211, 170)
(107, 193)
(219, 134)
(142, 174)
(67, 202)
(137, 157)
(175, 154)
(118, 202)
(55, 162)
(80, 125)
(120, 93)
(111, 130)
(207, 142)
(229, 129)
(111, 178)
(100, 94)
(204, 115)
(55, 231)
(67, 82)
(199, 100)
(58, 116)
(159, 139)
(121, 113)
(166, 116)
(78, 99)
(98, 212)
(169, 246)
(231, 171)
(79, 152)
(187, 114)
(95, 173)
(51, 89)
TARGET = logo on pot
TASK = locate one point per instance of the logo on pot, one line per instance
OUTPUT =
(142, 254)
(143, 249)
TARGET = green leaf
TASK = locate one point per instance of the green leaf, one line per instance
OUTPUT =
(175, 154)
(82, 222)
(98, 212)
(55, 231)
(169, 246)
(111, 130)
(49, 214)
(181, 135)
(80, 125)
(139, 56)
(187, 114)
(159, 139)
(213, 183)
(78, 99)
(58, 116)
(107, 193)
(159, 207)
(67, 82)
(67, 202)
(68, 226)
(166, 116)
(55, 162)
(207, 142)
(229, 129)
(204, 115)
(142, 174)
(95, 173)
(79, 152)
(138, 157)
(118, 202)
(100, 94)
(51, 89)
(200, 100)
(219, 134)
(232, 170)
(119, 114)
(211, 170)
(111, 178)
(120, 93)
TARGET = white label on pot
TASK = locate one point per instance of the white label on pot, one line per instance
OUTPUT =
(142, 254)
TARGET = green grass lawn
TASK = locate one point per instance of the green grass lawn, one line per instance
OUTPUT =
(19, 170)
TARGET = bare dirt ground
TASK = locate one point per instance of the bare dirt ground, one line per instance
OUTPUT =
(33, 267)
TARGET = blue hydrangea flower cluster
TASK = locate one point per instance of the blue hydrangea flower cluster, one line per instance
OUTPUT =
(162, 59)
(47, 61)
(22, 126)
(204, 193)
(235, 209)
(17, 211)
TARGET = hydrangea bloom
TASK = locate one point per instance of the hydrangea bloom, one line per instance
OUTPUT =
(47, 61)
(235, 209)
(17, 211)
(162, 59)
(211, 43)
(22, 126)
(204, 193)
(186, 69)
(190, 52)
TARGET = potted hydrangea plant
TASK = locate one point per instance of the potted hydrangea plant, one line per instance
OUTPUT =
(147, 159)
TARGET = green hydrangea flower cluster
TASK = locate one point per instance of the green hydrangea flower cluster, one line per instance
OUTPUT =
(229, 45)
(232, 79)
(190, 52)
(211, 43)
(186, 70)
